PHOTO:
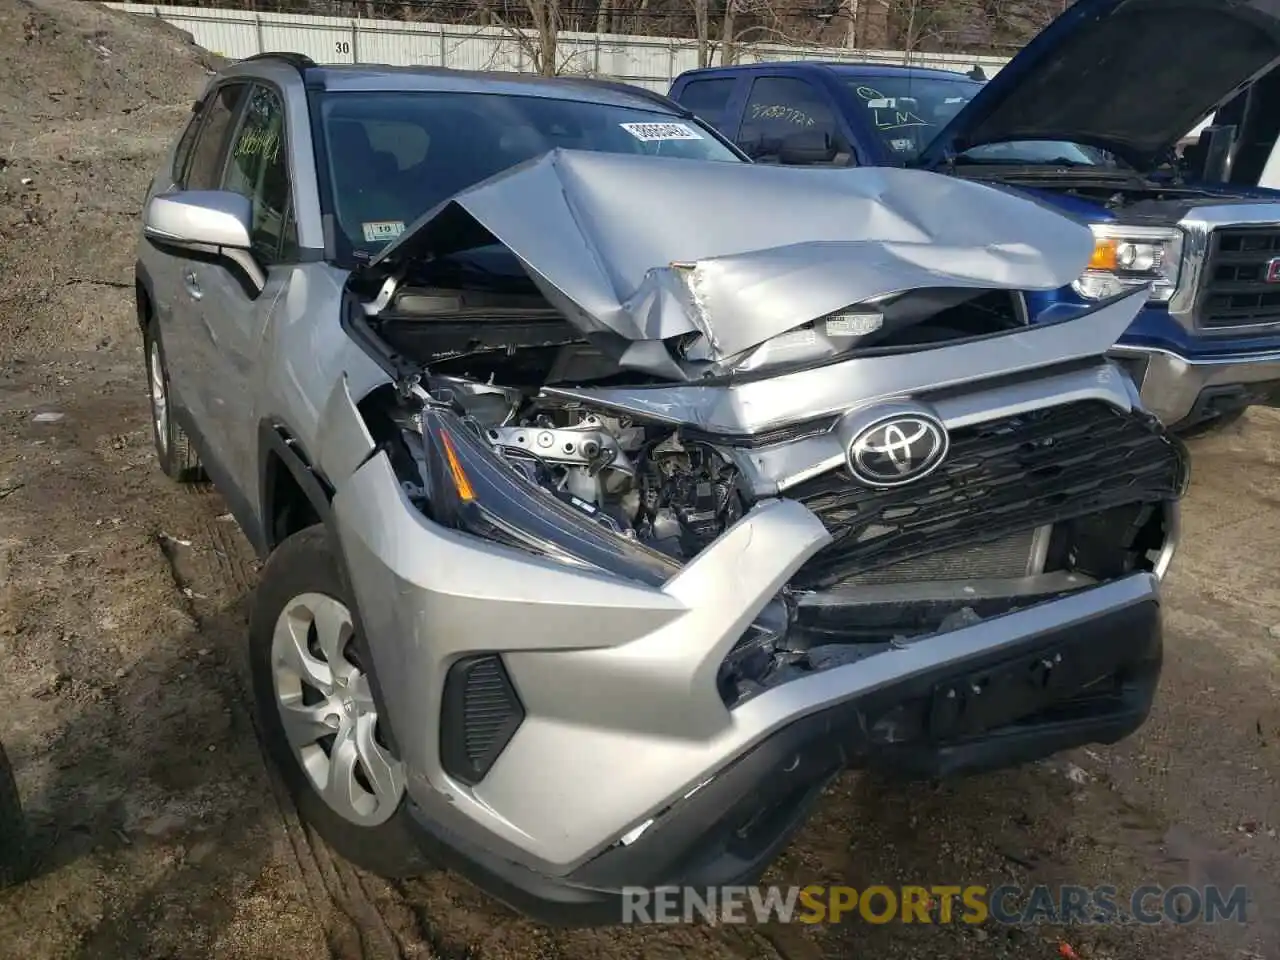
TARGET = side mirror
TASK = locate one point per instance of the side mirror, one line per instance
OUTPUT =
(806, 147)
(207, 225)
(200, 218)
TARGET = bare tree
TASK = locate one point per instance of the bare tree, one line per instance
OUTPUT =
(851, 29)
(751, 22)
(540, 43)
(728, 32)
(702, 30)
(546, 24)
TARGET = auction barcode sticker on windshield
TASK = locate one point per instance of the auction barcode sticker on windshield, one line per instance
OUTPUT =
(661, 131)
(380, 231)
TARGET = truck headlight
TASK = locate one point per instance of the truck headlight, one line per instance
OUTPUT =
(1125, 257)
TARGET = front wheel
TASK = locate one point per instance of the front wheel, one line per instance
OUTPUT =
(318, 718)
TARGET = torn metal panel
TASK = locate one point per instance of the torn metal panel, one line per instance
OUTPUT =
(345, 442)
(649, 248)
(758, 405)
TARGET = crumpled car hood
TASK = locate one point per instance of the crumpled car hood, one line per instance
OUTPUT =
(648, 248)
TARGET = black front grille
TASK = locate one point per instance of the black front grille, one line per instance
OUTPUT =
(1006, 558)
(1235, 291)
(999, 478)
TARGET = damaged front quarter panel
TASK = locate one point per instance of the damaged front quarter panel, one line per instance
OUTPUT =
(344, 440)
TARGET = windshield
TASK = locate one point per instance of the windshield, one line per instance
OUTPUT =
(392, 156)
(908, 112)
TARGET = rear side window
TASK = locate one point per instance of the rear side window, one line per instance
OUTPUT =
(205, 169)
(709, 100)
(780, 106)
(182, 153)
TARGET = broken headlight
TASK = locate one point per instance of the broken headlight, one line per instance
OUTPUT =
(472, 489)
(1125, 257)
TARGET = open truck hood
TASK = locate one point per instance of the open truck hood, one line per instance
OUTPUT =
(1129, 76)
(636, 250)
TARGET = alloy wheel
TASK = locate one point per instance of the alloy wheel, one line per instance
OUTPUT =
(328, 712)
(159, 398)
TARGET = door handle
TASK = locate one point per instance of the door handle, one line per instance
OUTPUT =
(192, 283)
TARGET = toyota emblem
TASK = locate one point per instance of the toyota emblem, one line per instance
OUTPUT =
(898, 449)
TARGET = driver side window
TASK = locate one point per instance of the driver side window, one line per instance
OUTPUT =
(258, 168)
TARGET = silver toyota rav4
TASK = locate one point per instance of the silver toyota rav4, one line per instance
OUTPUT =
(617, 493)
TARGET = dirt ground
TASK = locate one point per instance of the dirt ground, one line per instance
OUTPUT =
(160, 832)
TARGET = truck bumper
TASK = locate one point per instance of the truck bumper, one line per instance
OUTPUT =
(1183, 392)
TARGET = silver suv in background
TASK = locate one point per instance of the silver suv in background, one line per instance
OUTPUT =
(617, 493)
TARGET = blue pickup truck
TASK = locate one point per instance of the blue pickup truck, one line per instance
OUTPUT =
(1085, 118)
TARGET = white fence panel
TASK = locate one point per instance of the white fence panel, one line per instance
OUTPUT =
(333, 42)
(420, 43)
(646, 61)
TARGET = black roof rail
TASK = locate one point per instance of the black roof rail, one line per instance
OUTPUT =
(299, 61)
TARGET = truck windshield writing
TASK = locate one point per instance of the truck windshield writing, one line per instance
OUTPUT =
(908, 112)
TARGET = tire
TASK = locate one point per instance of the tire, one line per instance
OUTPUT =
(174, 451)
(1215, 425)
(299, 581)
(14, 843)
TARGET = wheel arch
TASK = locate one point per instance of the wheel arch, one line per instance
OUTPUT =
(292, 493)
(143, 296)
(295, 495)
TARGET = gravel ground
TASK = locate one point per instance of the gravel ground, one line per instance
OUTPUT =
(158, 830)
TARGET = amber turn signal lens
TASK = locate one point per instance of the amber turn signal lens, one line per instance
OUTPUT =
(1104, 254)
(460, 481)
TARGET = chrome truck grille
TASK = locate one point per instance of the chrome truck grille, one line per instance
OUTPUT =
(1240, 287)
(1001, 480)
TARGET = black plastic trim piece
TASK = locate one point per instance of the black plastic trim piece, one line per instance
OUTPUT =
(1214, 402)
(788, 434)
(461, 758)
(299, 61)
(142, 278)
(275, 448)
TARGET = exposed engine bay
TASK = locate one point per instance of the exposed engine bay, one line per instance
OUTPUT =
(505, 331)
(1033, 507)
(640, 482)
(619, 416)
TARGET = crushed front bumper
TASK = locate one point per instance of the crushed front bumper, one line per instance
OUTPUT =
(730, 829)
(1183, 392)
(623, 765)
